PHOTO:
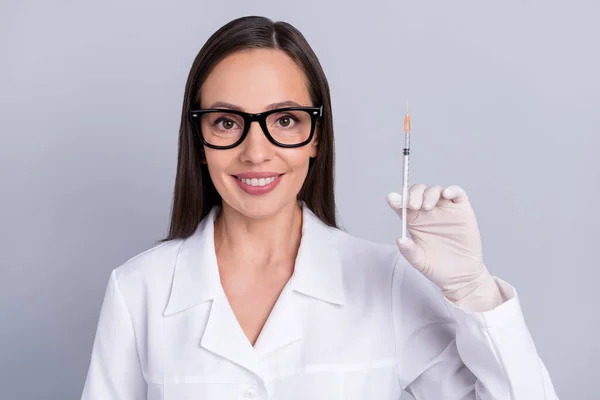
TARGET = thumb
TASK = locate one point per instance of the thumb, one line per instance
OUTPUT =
(413, 253)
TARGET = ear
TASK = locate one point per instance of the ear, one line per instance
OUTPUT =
(314, 145)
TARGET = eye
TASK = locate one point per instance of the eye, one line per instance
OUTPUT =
(225, 123)
(286, 120)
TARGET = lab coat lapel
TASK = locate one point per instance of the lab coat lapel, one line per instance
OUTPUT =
(224, 336)
(317, 273)
(282, 327)
(196, 280)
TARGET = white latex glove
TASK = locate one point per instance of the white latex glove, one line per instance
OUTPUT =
(445, 243)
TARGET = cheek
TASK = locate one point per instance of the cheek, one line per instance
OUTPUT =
(298, 163)
(217, 162)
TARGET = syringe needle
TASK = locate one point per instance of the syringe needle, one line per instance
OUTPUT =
(406, 165)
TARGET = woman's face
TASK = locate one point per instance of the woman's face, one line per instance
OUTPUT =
(254, 81)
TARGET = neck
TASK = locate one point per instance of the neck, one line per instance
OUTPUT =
(258, 245)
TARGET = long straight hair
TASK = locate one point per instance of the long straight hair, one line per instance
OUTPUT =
(194, 192)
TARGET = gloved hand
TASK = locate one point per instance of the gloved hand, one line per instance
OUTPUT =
(445, 243)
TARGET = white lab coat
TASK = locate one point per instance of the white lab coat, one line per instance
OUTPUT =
(355, 321)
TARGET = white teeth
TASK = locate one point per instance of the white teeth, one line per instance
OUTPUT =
(256, 181)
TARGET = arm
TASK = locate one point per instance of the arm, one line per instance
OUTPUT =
(114, 372)
(446, 352)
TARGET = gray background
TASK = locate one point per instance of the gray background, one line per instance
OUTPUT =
(504, 98)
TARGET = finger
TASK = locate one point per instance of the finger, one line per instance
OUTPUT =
(455, 193)
(413, 253)
(415, 196)
(431, 196)
(394, 200)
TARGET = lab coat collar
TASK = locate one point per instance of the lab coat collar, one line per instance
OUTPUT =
(196, 279)
(317, 273)
(318, 269)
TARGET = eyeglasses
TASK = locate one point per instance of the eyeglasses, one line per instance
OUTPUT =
(284, 127)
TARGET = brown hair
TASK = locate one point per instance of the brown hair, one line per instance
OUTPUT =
(194, 193)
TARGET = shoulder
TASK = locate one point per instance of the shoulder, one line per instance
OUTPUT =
(380, 268)
(367, 265)
(365, 250)
(149, 270)
(358, 250)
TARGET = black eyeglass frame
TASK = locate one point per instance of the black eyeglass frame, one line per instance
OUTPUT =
(315, 114)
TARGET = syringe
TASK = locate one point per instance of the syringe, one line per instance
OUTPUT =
(406, 165)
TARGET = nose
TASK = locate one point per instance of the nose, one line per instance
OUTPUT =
(256, 148)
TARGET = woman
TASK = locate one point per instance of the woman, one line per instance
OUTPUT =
(257, 294)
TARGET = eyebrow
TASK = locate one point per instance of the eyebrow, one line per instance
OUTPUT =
(272, 106)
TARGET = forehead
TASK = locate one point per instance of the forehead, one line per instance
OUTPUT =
(253, 79)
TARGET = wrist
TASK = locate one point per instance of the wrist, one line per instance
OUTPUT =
(481, 294)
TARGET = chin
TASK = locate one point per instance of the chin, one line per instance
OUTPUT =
(260, 208)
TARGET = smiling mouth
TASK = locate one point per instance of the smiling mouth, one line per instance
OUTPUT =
(257, 181)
